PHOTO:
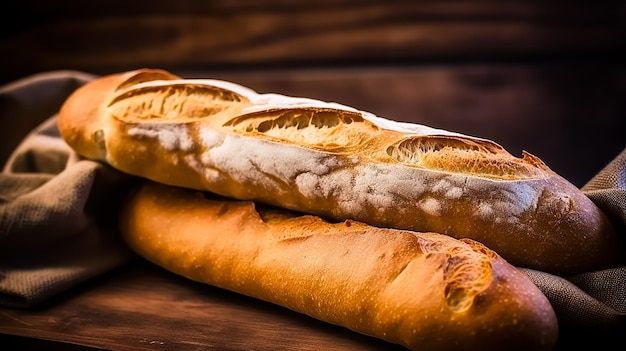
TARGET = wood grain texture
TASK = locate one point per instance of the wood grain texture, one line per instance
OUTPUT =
(144, 307)
(141, 307)
(113, 35)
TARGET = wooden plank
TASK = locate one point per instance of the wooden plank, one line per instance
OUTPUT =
(118, 35)
(143, 307)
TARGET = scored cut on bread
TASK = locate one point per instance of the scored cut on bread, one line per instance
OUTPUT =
(425, 291)
(339, 163)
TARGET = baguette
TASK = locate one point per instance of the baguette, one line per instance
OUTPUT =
(424, 291)
(338, 163)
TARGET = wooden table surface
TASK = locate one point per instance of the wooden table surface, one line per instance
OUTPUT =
(143, 307)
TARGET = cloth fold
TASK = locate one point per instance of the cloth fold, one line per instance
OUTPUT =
(58, 214)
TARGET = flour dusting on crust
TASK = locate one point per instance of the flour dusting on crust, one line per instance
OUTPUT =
(171, 136)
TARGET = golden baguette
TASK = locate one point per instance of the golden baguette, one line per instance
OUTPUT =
(425, 291)
(339, 163)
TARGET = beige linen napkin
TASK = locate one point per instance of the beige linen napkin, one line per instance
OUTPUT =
(57, 211)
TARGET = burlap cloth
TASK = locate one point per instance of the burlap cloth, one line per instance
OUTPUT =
(57, 218)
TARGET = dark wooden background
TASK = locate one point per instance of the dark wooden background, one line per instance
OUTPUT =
(546, 77)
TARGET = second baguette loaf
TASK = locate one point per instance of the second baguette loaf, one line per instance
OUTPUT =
(339, 163)
(425, 291)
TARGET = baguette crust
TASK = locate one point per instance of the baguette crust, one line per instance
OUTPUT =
(339, 163)
(424, 291)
